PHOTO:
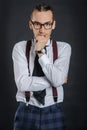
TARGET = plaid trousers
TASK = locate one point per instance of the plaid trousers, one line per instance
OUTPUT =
(34, 118)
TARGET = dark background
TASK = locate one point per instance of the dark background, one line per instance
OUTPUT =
(71, 27)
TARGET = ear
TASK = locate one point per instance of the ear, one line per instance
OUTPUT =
(30, 25)
(54, 25)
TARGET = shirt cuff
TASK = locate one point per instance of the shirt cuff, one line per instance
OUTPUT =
(43, 60)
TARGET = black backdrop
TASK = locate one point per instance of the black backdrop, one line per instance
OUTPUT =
(71, 27)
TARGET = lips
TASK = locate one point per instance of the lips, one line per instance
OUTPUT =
(44, 35)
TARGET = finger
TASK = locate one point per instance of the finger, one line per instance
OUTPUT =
(36, 40)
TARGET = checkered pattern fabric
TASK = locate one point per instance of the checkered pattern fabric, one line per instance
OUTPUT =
(34, 118)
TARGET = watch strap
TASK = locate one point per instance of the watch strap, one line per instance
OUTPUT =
(39, 52)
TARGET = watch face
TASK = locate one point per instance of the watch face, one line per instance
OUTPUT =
(39, 52)
(43, 51)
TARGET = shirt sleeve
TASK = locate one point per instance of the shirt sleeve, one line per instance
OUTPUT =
(57, 72)
(23, 80)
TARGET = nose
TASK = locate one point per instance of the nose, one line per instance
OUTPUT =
(42, 29)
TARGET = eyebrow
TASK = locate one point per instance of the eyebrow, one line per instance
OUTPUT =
(41, 23)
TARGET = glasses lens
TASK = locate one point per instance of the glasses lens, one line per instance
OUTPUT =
(47, 25)
(36, 25)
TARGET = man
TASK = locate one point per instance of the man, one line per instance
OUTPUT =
(44, 114)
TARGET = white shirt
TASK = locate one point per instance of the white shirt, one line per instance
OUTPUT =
(55, 73)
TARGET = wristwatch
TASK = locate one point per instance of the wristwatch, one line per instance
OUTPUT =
(41, 51)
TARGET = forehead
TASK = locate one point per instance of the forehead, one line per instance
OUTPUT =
(42, 16)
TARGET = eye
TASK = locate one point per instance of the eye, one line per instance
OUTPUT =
(37, 23)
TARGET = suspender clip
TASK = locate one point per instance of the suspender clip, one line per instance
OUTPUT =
(27, 103)
(27, 96)
(55, 99)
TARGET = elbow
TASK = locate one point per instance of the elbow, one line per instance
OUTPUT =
(59, 81)
(23, 84)
(19, 85)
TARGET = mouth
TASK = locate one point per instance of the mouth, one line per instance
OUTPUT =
(43, 35)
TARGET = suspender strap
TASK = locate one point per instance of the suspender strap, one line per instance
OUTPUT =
(55, 56)
(28, 46)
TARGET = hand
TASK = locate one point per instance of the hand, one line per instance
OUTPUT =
(65, 80)
(40, 42)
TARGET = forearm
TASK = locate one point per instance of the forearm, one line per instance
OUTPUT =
(56, 72)
(56, 76)
(32, 83)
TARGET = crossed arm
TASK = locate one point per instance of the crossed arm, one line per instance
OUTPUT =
(55, 74)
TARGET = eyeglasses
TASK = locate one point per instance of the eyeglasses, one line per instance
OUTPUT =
(37, 25)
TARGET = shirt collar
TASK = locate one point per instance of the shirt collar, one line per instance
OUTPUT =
(48, 43)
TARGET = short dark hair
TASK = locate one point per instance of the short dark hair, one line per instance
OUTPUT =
(43, 7)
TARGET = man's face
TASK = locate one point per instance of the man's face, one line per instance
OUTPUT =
(44, 17)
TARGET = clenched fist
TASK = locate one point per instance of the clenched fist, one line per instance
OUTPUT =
(40, 42)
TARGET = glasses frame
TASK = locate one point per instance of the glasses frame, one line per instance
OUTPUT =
(44, 25)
